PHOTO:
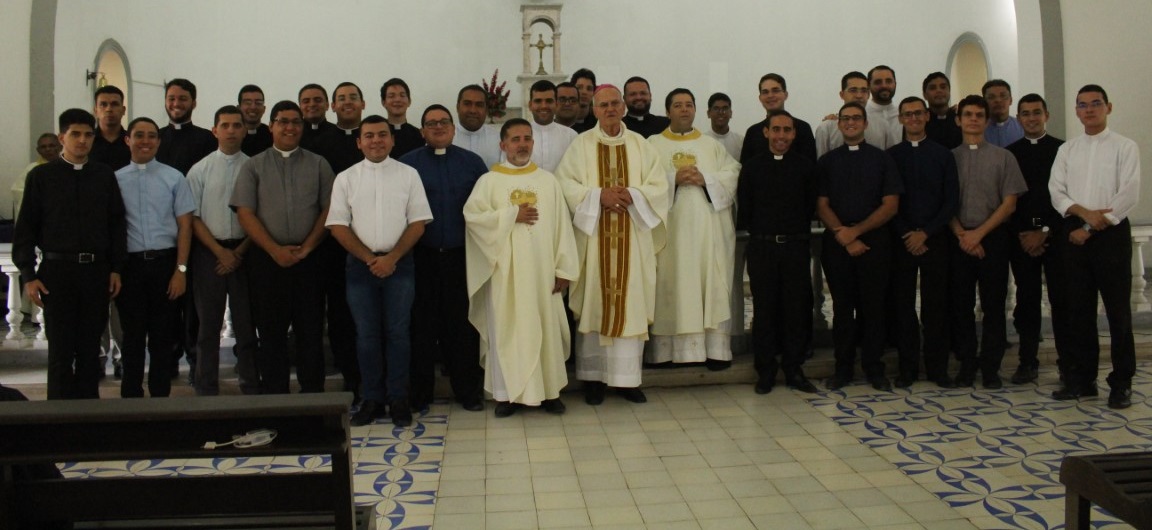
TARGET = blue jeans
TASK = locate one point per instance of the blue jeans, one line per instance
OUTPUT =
(382, 310)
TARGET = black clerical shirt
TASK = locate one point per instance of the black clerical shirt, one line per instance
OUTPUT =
(647, 125)
(857, 180)
(944, 130)
(338, 147)
(776, 197)
(1034, 209)
(256, 142)
(68, 210)
(931, 186)
(755, 143)
(407, 138)
(182, 147)
(313, 132)
(114, 154)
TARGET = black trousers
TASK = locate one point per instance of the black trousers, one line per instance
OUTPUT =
(75, 314)
(441, 329)
(282, 298)
(147, 317)
(859, 287)
(989, 276)
(931, 268)
(1031, 273)
(213, 293)
(341, 327)
(1102, 265)
(781, 283)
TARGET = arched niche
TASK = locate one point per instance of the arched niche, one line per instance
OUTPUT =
(968, 65)
(112, 68)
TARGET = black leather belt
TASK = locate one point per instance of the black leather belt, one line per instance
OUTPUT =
(72, 257)
(1038, 222)
(153, 254)
(229, 243)
(780, 238)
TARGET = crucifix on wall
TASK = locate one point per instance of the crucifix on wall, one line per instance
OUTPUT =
(540, 46)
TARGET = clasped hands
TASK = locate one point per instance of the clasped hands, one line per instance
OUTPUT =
(848, 237)
(615, 199)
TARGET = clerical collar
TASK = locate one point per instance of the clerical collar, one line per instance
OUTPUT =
(916, 143)
(854, 147)
(315, 125)
(777, 157)
(1003, 123)
(141, 167)
(180, 125)
(253, 131)
(284, 153)
(692, 134)
(507, 168)
(637, 118)
(375, 165)
(349, 132)
(439, 150)
(1037, 139)
(229, 157)
(75, 166)
(973, 147)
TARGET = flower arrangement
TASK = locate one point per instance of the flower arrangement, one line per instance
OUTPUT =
(497, 96)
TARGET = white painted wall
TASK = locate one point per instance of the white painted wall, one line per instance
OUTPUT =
(440, 45)
(16, 148)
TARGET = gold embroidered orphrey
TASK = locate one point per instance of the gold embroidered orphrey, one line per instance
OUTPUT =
(615, 245)
(519, 197)
(681, 160)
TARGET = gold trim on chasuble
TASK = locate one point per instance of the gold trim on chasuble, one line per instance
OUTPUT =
(612, 162)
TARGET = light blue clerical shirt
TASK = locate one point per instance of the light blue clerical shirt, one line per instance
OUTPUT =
(154, 196)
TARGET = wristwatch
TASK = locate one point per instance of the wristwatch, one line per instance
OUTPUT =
(181, 268)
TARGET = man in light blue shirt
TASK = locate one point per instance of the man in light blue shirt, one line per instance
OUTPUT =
(158, 205)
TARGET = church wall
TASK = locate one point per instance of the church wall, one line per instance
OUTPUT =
(440, 45)
(16, 146)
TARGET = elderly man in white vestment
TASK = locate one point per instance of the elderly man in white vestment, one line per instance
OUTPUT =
(694, 272)
(521, 256)
(618, 193)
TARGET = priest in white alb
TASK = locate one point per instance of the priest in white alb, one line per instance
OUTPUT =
(550, 140)
(693, 318)
(618, 193)
(521, 256)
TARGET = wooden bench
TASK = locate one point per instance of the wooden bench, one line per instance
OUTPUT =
(176, 428)
(1120, 483)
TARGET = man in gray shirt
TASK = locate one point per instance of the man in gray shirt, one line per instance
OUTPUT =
(990, 180)
(281, 199)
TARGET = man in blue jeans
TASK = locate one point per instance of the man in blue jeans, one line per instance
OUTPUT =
(377, 213)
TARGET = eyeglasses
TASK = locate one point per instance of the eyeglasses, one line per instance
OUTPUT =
(852, 117)
(856, 90)
(1096, 103)
(567, 100)
(913, 114)
(285, 122)
(437, 123)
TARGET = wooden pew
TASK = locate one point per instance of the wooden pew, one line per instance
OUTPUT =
(1120, 483)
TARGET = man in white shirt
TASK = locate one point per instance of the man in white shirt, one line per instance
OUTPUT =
(550, 139)
(719, 114)
(472, 133)
(1095, 184)
(854, 88)
(882, 84)
(377, 213)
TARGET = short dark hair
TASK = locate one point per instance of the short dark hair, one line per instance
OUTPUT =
(566, 84)
(142, 119)
(719, 96)
(472, 87)
(638, 79)
(226, 109)
(510, 124)
(673, 93)
(910, 99)
(108, 89)
(311, 86)
(542, 85)
(776, 113)
(435, 106)
(1032, 98)
(775, 77)
(72, 117)
(852, 105)
(995, 83)
(391, 83)
(880, 67)
(375, 118)
(973, 100)
(46, 135)
(1093, 88)
(851, 75)
(247, 88)
(183, 84)
(934, 75)
(282, 106)
(583, 73)
(351, 84)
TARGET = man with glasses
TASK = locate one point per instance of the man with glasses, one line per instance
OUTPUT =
(281, 200)
(719, 114)
(251, 103)
(931, 193)
(549, 139)
(1040, 241)
(440, 327)
(619, 196)
(1002, 129)
(1095, 185)
(473, 133)
(990, 180)
(859, 192)
(854, 88)
(396, 98)
(567, 104)
(773, 93)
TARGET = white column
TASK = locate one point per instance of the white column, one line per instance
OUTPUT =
(39, 316)
(15, 317)
(1139, 301)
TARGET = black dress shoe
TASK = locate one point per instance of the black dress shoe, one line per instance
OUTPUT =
(1120, 398)
(716, 365)
(553, 406)
(593, 392)
(965, 379)
(401, 414)
(837, 382)
(993, 383)
(1089, 390)
(880, 383)
(802, 384)
(904, 382)
(944, 381)
(506, 408)
(764, 386)
(368, 412)
(472, 405)
(634, 395)
(1024, 375)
